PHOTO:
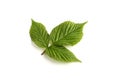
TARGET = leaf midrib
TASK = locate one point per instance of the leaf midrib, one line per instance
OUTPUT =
(66, 35)
(44, 41)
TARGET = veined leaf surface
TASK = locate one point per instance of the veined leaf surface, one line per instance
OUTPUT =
(67, 33)
(39, 34)
(61, 53)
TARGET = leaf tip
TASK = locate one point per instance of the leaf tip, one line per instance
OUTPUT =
(32, 20)
(85, 22)
(78, 61)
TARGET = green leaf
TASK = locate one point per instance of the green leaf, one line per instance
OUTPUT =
(39, 34)
(67, 33)
(60, 53)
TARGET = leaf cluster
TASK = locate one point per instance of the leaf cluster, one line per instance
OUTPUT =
(66, 33)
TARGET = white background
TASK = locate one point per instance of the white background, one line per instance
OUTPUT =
(99, 49)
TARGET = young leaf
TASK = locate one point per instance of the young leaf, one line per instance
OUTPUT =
(60, 53)
(67, 33)
(39, 34)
